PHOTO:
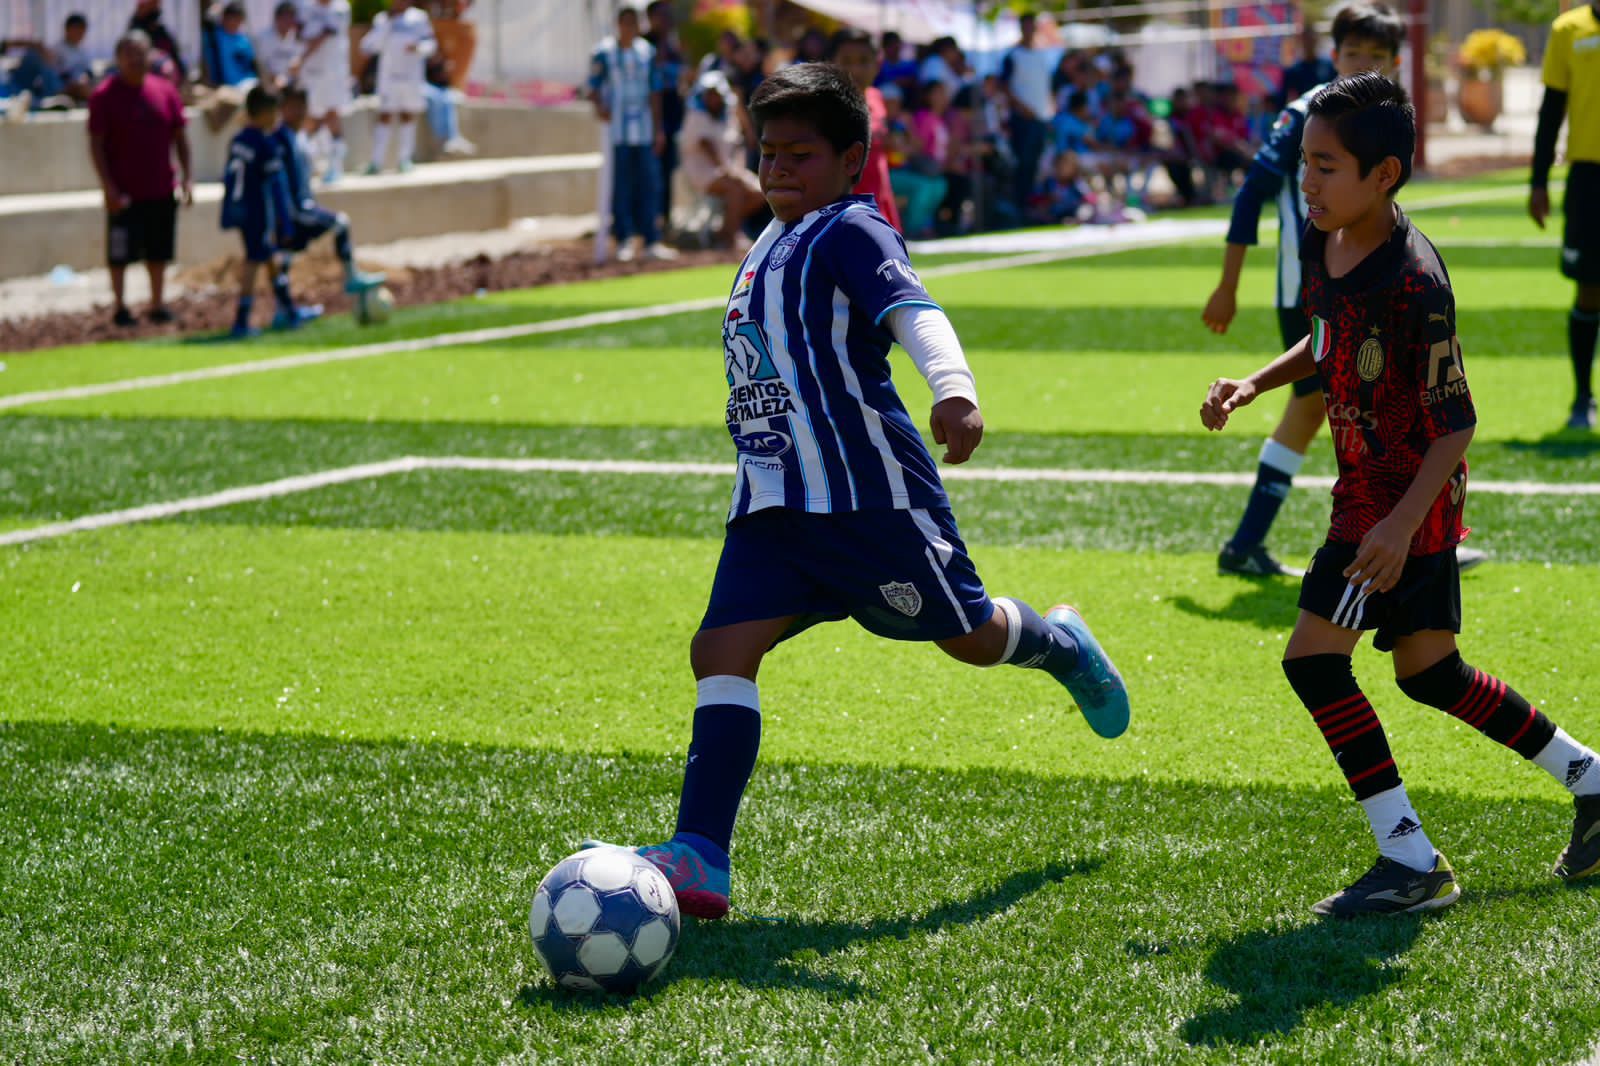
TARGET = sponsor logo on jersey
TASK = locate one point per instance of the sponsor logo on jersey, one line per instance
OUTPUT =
(1352, 427)
(1445, 377)
(902, 597)
(767, 442)
(746, 280)
(890, 267)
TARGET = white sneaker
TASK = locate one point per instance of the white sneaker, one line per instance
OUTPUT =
(458, 146)
(627, 253)
(660, 252)
(18, 107)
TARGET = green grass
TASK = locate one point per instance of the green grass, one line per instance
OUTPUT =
(283, 775)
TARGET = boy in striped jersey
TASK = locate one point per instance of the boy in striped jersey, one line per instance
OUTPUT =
(1383, 344)
(838, 510)
(1365, 37)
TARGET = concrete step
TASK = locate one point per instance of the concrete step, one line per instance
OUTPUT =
(43, 231)
(49, 153)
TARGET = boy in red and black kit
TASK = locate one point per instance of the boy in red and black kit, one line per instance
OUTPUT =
(1383, 340)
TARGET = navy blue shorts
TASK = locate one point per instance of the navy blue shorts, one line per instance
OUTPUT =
(260, 243)
(900, 574)
(309, 225)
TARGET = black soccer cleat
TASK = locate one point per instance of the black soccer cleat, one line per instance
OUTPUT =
(1253, 562)
(1394, 888)
(1583, 414)
(1582, 857)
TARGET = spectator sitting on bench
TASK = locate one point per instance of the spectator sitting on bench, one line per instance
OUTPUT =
(712, 151)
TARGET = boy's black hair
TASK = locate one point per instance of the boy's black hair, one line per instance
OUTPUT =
(76, 19)
(1373, 119)
(1078, 99)
(848, 36)
(233, 7)
(821, 95)
(286, 7)
(296, 92)
(1369, 22)
(259, 100)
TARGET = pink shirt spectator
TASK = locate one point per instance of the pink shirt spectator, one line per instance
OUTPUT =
(934, 133)
(139, 126)
(875, 175)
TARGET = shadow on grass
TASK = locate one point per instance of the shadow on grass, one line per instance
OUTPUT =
(779, 954)
(1280, 975)
(1267, 603)
(1561, 444)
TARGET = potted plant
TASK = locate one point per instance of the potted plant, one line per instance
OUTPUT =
(1482, 59)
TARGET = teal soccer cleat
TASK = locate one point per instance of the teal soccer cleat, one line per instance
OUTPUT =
(702, 889)
(360, 282)
(1095, 685)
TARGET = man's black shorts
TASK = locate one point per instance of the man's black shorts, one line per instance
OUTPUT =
(1428, 595)
(1580, 241)
(1293, 327)
(144, 230)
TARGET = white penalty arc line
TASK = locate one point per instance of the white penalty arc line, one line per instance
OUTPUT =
(626, 467)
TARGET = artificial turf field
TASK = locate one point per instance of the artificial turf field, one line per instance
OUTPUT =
(282, 775)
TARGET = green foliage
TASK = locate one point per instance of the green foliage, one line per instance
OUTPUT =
(366, 10)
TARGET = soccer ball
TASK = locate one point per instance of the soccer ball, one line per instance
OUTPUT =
(374, 305)
(604, 920)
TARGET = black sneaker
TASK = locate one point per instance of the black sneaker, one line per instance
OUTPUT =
(1582, 856)
(1467, 558)
(161, 316)
(124, 318)
(1253, 562)
(1393, 888)
(1583, 414)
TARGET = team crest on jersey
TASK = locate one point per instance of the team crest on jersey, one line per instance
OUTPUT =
(902, 597)
(1321, 337)
(1369, 357)
(783, 250)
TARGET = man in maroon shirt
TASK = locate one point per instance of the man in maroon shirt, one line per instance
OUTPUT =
(135, 123)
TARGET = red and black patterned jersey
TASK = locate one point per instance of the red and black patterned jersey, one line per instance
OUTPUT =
(1384, 337)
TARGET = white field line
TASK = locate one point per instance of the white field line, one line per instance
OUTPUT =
(1080, 243)
(409, 464)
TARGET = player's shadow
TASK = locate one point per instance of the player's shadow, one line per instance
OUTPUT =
(1278, 976)
(1267, 603)
(761, 953)
(1561, 444)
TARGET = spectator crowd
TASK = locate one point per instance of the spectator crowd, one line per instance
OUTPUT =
(1049, 136)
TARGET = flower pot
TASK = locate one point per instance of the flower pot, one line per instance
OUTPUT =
(1480, 99)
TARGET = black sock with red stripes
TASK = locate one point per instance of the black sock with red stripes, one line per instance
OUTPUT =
(1484, 702)
(1327, 686)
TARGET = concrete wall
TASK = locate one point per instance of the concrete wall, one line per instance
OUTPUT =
(50, 152)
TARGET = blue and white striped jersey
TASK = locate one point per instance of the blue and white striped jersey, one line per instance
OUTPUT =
(1275, 174)
(814, 417)
(625, 78)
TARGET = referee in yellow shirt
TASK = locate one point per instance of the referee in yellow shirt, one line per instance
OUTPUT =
(1572, 86)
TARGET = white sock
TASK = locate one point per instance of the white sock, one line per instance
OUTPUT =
(380, 144)
(1281, 457)
(408, 142)
(1398, 829)
(336, 155)
(1570, 763)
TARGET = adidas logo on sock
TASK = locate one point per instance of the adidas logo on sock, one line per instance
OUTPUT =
(1404, 828)
(1577, 768)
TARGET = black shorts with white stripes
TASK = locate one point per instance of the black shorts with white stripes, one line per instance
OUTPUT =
(1428, 595)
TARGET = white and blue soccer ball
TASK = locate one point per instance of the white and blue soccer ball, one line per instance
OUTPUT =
(604, 920)
(374, 306)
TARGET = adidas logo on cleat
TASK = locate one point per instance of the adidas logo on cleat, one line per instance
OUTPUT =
(1577, 768)
(1403, 828)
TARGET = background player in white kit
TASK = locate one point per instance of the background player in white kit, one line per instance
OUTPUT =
(402, 39)
(278, 48)
(324, 70)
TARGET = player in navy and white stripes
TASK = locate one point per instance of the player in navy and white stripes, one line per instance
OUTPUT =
(1365, 37)
(838, 510)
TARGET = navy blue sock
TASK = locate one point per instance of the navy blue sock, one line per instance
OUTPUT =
(280, 289)
(341, 245)
(1582, 328)
(241, 318)
(1032, 643)
(1274, 477)
(722, 753)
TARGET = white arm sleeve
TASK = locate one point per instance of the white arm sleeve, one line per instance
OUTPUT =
(928, 337)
